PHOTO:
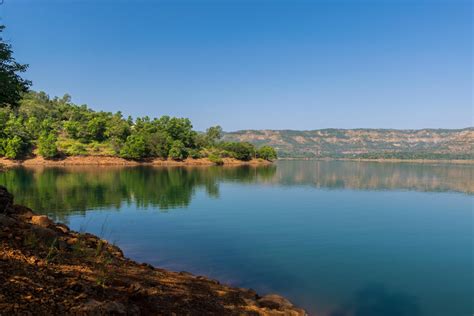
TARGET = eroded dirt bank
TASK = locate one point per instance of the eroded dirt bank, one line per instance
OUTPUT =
(117, 161)
(46, 269)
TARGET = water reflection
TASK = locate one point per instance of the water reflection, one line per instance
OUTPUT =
(377, 176)
(60, 191)
(55, 191)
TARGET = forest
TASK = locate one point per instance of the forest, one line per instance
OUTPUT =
(56, 127)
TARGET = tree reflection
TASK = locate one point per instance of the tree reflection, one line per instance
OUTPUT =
(60, 191)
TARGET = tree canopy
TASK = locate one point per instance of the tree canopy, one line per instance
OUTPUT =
(54, 127)
(12, 85)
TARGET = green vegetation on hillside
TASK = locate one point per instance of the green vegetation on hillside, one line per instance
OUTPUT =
(55, 127)
(33, 123)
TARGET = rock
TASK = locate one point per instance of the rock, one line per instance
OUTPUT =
(6, 199)
(274, 301)
(44, 233)
(6, 221)
(23, 212)
(71, 241)
(63, 228)
(41, 220)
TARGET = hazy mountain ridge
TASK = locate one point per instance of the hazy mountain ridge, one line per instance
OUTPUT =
(364, 143)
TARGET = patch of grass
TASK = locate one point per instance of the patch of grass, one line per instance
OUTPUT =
(52, 251)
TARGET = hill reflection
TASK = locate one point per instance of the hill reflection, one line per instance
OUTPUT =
(377, 176)
(60, 191)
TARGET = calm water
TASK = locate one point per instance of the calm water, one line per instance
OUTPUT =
(337, 238)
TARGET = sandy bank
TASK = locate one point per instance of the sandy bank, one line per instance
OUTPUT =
(117, 161)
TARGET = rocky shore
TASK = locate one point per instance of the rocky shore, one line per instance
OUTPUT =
(47, 269)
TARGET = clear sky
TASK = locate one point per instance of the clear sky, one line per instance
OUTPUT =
(255, 64)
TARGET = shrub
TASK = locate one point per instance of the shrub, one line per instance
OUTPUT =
(75, 149)
(177, 151)
(195, 153)
(14, 147)
(267, 153)
(242, 151)
(215, 159)
(134, 147)
(47, 145)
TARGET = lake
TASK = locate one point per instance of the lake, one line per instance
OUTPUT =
(337, 238)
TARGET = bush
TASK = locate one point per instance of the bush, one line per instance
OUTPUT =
(177, 151)
(14, 147)
(134, 147)
(47, 145)
(195, 154)
(75, 149)
(267, 153)
(215, 159)
(242, 151)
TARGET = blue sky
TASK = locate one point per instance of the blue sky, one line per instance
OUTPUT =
(254, 64)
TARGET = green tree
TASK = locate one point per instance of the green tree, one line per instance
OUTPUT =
(47, 145)
(117, 128)
(11, 84)
(159, 144)
(72, 128)
(241, 151)
(267, 153)
(14, 147)
(134, 147)
(177, 150)
(213, 134)
(96, 128)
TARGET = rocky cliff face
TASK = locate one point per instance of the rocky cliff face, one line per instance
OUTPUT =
(46, 269)
(424, 143)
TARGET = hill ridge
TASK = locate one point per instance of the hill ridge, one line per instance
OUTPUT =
(426, 143)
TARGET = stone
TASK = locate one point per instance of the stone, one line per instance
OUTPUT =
(6, 221)
(63, 228)
(44, 233)
(71, 241)
(6, 200)
(23, 212)
(41, 220)
(274, 301)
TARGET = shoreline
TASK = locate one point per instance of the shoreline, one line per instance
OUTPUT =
(48, 269)
(117, 161)
(190, 162)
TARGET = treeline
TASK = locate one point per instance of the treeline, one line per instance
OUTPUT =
(55, 127)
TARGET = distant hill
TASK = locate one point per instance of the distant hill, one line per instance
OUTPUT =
(364, 143)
